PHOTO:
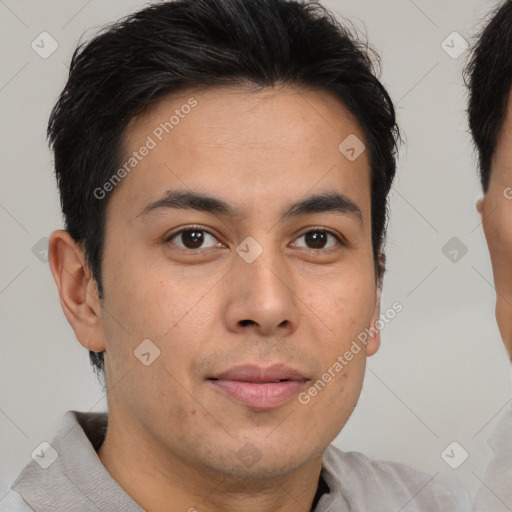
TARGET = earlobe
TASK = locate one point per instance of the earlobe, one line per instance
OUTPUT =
(77, 289)
(480, 205)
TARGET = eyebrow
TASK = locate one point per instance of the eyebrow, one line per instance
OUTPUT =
(318, 203)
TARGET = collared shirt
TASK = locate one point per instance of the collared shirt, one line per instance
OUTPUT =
(495, 491)
(75, 480)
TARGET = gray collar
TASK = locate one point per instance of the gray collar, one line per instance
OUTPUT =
(77, 480)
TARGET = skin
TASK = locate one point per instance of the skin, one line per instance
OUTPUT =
(173, 439)
(495, 209)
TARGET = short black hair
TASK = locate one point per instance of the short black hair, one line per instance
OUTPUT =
(488, 77)
(177, 45)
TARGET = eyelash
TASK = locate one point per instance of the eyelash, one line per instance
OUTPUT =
(341, 241)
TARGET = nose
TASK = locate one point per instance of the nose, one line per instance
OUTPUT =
(261, 297)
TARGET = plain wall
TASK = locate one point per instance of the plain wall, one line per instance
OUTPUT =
(441, 374)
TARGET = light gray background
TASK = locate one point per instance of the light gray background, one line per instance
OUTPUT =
(441, 373)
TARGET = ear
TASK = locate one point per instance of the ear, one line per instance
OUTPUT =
(480, 206)
(373, 343)
(78, 291)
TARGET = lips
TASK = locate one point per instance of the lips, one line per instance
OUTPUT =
(254, 373)
(260, 387)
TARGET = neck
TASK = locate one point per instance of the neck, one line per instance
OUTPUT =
(160, 481)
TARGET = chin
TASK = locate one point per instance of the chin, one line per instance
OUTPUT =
(251, 464)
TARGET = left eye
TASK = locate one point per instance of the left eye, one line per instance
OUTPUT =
(318, 239)
(193, 238)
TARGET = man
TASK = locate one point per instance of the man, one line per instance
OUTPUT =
(489, 78)
(224, 167)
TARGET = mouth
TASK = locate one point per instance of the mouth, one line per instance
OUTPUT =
(257, 387)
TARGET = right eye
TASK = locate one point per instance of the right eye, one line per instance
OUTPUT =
(193, 238)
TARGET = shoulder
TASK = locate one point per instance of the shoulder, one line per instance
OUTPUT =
(495, 492)
(375, 482)
(501, 440)
(13, 502)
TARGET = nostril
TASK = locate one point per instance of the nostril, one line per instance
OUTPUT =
(247, 322)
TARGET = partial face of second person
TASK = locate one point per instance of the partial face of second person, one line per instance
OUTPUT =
(300, 303)
(496, 211)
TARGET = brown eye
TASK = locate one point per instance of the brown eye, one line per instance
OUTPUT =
(318, 239)
(193, 238)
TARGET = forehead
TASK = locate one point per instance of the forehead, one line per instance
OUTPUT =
(281, 142)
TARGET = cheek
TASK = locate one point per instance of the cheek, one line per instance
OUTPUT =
(152, 299)
(504, 231)
(162, 304)
(498, 233)
(341, 316)
(344, 303)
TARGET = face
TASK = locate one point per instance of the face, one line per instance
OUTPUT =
(260, 283)
(496, 211)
